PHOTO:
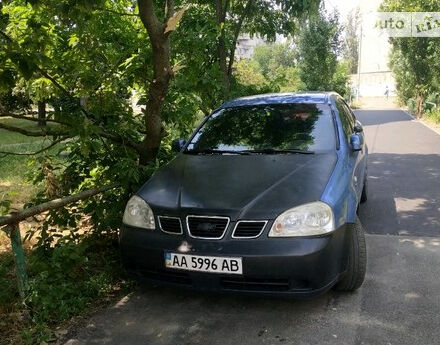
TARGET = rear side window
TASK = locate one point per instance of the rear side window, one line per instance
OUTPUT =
(346, 118)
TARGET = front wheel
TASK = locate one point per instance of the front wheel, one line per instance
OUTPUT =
(357, 259)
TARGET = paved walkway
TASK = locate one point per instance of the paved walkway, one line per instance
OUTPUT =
(378, 103)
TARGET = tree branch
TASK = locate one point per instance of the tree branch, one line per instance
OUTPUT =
(44, 73)
(37, 152)
(53, 204)
(149, 19)
(237, 30)
(169, 11)
(45, 132)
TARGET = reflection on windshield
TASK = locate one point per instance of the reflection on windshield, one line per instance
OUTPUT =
(305, 127)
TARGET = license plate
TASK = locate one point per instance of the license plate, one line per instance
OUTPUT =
(211, 264)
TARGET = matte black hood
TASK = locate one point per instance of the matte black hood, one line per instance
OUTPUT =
(241, 187)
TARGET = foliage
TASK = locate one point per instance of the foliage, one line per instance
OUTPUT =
(414, 61)
(271, 69)
(265, 18)
(249, 73)
(272, 56)
(88, 58)
(433, 115)
(411, 61)
(350, 47)
(319, 46)
(64, 280)
(278, 65)
(88, 266)
(72, 46)
(340, 82)
(12, 100)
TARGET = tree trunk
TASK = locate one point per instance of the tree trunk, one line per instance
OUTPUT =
(221, 48)
(420, 105)
(156, 96)
(224, 68)
(57, 110)
(226, 58)
(42, 113)
(162, 73)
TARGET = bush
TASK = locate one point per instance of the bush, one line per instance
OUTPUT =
(63, 281)
(67, 277)
(10, 102)
(433, 115)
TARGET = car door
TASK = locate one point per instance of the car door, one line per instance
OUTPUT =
(357, 158)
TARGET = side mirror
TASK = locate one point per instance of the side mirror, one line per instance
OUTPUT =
(358, 127)
(355, 142)
(178, 145)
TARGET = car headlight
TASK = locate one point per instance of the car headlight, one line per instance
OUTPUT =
(139, 214)
(311, 219)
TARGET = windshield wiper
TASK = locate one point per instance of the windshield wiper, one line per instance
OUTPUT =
(215, 152)
(280, 151)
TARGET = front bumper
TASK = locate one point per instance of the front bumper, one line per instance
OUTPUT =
(299, 267)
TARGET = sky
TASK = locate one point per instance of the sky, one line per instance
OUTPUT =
(343, 6)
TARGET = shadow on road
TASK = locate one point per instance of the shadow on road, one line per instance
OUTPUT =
(404, 195)
(380, 117)
(162, 315)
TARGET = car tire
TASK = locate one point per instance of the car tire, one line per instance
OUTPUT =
(364, 196)
(353, 278)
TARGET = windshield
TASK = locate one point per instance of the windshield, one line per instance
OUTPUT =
(267, 128)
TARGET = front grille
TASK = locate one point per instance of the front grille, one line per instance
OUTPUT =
(207, 227)
(171, 225)
(255, 284)
(248, 229)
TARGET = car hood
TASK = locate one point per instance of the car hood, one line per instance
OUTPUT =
(241, 187)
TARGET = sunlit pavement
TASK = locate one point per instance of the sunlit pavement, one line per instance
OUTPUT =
(398, 304)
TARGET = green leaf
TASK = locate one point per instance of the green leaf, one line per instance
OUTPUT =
(73, 40)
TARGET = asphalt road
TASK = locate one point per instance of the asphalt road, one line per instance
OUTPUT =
(399, 302)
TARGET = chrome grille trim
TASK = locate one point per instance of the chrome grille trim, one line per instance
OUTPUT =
(249, 221)
(169, 232)
(212, 217)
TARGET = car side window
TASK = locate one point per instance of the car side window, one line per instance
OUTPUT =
(352, 116)
(346, 118)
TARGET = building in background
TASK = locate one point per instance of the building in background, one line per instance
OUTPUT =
(374, 76)
(246, 45)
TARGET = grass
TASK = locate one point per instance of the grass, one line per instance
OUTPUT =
(433, 116)
(14, 184)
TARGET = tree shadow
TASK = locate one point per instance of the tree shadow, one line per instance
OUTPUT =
(380, 117)
(404, 195)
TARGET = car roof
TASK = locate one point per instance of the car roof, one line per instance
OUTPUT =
(316, 97)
